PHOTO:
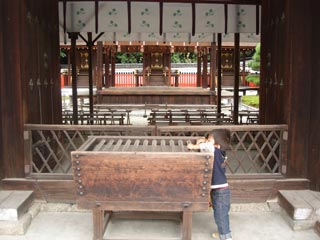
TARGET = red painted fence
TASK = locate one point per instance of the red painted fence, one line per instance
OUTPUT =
(127, 78)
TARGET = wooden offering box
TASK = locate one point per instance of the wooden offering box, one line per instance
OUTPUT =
(143, 174)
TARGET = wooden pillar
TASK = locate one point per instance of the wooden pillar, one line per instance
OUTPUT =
(69, 66)
(213, 66)
(205, 68)
(107, 68)
(73, 56)
(198, 67)
(169, 68)
(219, 72)
(99, 78)
(11, 86)
(243, 67)
(2, 84)
(236, 77)
(90, 45)
(146, 66)
(113, 67)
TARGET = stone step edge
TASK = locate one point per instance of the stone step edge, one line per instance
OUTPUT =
(15, 204)
(20, 226)
(304, 212)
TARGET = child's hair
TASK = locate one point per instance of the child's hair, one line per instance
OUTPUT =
(221, 137)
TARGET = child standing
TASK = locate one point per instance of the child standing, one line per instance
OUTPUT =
(217, 142)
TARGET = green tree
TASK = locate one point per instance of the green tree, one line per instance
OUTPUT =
(183, 57)
(129, 57)
(255, 65)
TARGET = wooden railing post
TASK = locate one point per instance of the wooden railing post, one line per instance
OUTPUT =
(176, 79)
(284, 152)
(27, 136)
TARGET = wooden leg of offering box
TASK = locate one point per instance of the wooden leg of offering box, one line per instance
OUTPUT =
(101, 219)
(186, 225)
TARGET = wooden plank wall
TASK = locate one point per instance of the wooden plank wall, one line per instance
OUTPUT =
(272, 89)
(290, 80)
(11, 94)
(30, 86)
(1, 88)
(313, 150)
(41, 62)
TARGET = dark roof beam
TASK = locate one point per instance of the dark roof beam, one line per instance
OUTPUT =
(96, 10)
(250, 2)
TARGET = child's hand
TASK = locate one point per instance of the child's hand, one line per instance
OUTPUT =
(190, 146)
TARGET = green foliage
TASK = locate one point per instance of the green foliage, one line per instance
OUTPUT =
(254, 78)
(251, 101)
(247, 53)
(129, 57)
(63, 53)
(183, 57)
(255, 65)
(138, 58)
(255, 62)
(63, 56)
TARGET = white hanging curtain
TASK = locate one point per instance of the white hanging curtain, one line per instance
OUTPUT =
(145, 21)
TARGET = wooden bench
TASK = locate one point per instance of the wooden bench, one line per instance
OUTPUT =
(170, 117)
(192, 117)
(252, 116)
(141, 174)
(100, 117)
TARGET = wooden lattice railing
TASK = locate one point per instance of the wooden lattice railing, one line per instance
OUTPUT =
(254, 149)
(258, 149)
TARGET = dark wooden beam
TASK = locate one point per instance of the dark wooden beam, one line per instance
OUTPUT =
(83, 38)
(73, 56)
(97, 37)
(314, 136)
(90, 45)
(129, 16)
(219, 72)
(113, 66)
(213, 65)
(225, 18)
(257, 19)
(193, 18)
(205, 68)
(107, 67)
(64, 16)
(236, 78)
(96, 15)
(99, 76)
(249, 2)
(161, 17)
(198, 66)
(2, 87)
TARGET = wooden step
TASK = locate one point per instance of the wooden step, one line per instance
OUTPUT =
(13, 204)
(301, 206)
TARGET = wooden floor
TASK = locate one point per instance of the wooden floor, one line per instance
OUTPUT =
(156, 95)
(156, 90)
